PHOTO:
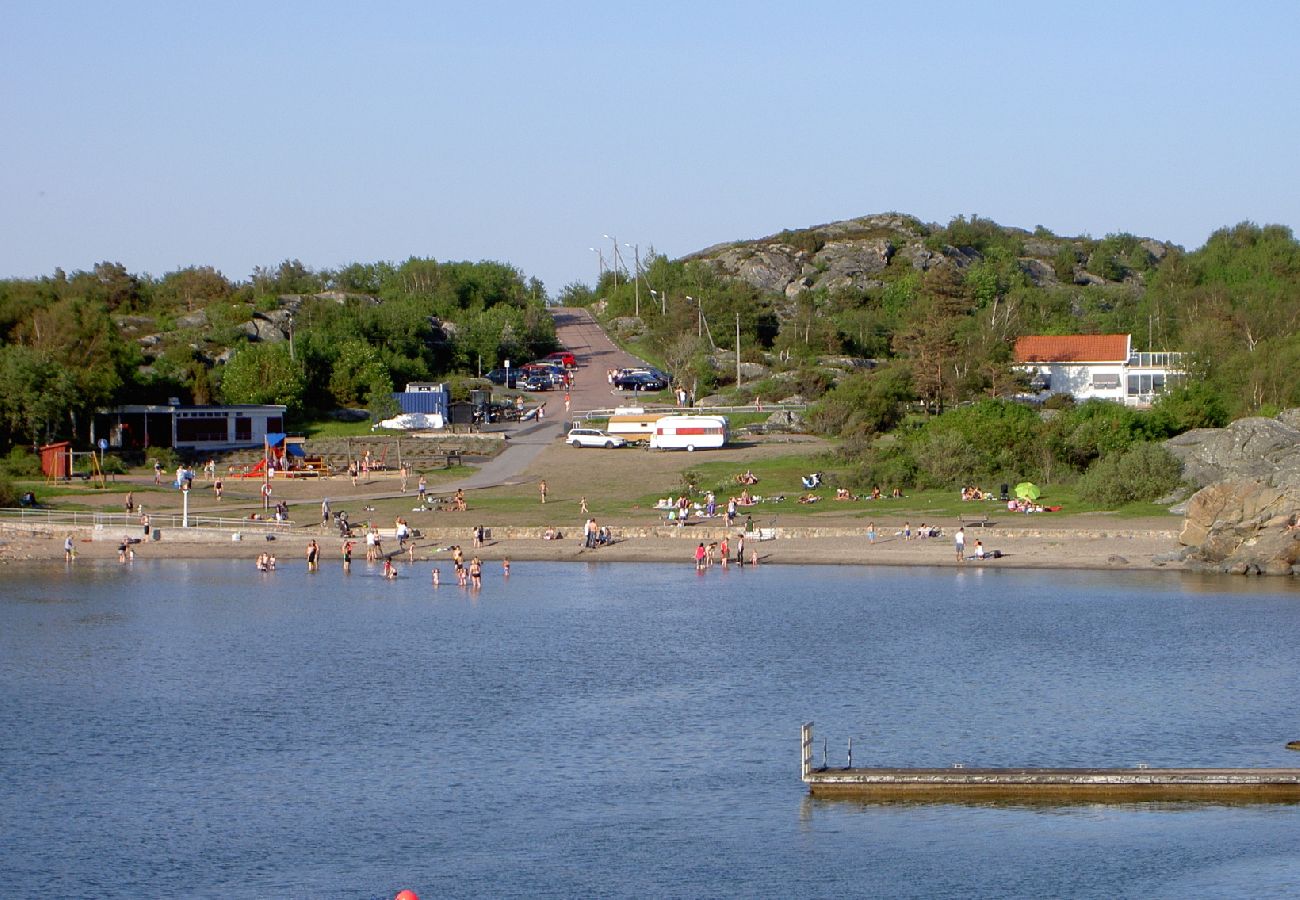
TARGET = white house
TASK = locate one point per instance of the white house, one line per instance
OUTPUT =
(1102, 366)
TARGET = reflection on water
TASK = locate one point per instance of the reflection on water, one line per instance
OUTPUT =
(625, 730)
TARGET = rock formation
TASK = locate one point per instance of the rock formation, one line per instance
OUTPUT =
(1243, 518)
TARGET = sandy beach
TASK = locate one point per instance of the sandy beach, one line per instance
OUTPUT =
(833, 534)
(1113, 545)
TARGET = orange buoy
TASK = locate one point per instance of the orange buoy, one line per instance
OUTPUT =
(407, 895)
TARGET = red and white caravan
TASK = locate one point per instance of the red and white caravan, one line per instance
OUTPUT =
(689, 433)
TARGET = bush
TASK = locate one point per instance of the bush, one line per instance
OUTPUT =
(166, 455)
(21, 463)
(1144, 471)
(113, 465)
(886, 469)
(8, 493)
(1194, 405)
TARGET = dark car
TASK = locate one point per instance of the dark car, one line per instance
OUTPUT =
(640, 381)
(499, 376)
(536, 383)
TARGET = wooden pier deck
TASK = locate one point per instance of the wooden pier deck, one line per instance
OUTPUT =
(1050, 784)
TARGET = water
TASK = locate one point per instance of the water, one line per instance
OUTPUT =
(625, 730)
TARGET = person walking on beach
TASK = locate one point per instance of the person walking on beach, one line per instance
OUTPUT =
(130, 502)
(217, 486)
(542, 487)
(871, 533)
(582, 505)
(422, 487)
(325, 511)
(405, 473)
(960, 541)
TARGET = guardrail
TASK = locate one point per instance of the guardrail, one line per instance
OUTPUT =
(690, 410)
(92, 519)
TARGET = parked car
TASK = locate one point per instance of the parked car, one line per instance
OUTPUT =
(500, 376)
(563, 357)
(535, 383)
(640, 381)
(554, 371)
(593, 437)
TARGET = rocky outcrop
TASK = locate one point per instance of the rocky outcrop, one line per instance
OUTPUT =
(853, 255)
(1267, 449)
(1243, 518)
(1243, 526)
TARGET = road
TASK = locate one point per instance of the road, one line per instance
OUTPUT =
(578, 332)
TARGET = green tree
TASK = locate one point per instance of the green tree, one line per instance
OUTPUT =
(264, 373)
(39, 396)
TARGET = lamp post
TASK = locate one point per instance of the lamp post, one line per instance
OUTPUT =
(699, 316)
(662, 297)
(600, 272)
(737, 349)
(614, 241)
(290, 322)
(636, 255)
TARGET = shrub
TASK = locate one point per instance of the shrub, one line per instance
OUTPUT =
(113, 465)
(8, 493)
(1144, 471)
(166, 455)
(886, 469)
(21, 463)
(1194, 405)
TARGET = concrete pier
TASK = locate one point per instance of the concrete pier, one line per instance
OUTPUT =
(1067, 785)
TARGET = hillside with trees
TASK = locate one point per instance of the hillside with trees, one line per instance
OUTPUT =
(895, 328)
(312, 340)
(897, 332)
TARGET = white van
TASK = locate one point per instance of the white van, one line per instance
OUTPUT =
(689, 433)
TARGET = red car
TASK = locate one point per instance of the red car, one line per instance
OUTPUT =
(563, 357)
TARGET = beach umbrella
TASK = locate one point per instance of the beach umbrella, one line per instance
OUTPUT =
(1027, 490)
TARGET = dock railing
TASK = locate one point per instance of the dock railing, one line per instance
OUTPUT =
(106, 520)
(806, 754)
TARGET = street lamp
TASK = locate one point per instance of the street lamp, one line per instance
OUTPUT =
(636, 250)
(290, 321)
(662, 297)
(600, 272)
(614, 240)
(699, 316)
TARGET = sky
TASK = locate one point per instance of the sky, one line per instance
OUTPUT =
(164, 135)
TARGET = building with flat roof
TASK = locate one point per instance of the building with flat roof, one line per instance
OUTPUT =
(196, 429)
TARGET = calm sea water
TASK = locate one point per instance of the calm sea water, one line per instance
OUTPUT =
(203, 730)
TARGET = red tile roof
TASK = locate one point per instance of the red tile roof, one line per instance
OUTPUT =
(1072, 348)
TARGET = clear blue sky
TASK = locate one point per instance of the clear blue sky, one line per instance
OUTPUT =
(162, 135)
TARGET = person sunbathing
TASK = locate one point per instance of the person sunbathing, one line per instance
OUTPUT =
(845, 494)
(809, 498)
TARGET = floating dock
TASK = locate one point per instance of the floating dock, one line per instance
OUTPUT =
(960, 784)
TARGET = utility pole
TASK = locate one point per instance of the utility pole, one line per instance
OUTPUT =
(737, 349)
(636, 251)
